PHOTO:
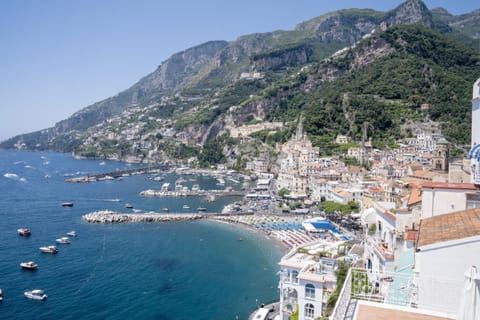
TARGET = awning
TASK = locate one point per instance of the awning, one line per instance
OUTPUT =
(474, 153)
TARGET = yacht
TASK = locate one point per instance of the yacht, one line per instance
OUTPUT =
(24, 232)
(30, 265)
(71, 234)
(63, 240)
(35, 294)
(49, 249)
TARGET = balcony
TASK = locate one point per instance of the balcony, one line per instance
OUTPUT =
(403, 294)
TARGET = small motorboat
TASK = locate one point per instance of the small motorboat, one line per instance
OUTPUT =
(30, 265)
(24, 232)
(129, 206)
(49, 249)
(201, 209)
(63, 240)
(1, 295)
(67, 204)
(35, 294)
(165, 209)
(185, 207)
(71, 234)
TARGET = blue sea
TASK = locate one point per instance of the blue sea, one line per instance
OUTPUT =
(184, 270)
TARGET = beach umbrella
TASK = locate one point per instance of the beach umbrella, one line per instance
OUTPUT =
(470, 300)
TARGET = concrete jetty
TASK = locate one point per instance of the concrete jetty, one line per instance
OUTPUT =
(189, 193)
(116, 174)
(116, 217)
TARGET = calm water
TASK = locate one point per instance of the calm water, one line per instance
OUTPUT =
(188, 270)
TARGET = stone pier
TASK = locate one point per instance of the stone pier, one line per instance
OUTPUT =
(116, 217)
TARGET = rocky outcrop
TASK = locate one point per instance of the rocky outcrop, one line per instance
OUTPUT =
(283, 58)
(410, 12)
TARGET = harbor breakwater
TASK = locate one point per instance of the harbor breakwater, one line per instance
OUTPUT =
(188, 193)
(116, 217)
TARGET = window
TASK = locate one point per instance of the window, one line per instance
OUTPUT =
(295, 276)
(309, 311)
(310, 291)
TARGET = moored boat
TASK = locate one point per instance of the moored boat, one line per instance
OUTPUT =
(129, 206)
(201, 209)
(165, 209)
(49, 249)
(63, 240)
(185, 207)
(24, 232)
(1, 295)
(67, 204)
(71, 234)
(35, 294)
(30, 265)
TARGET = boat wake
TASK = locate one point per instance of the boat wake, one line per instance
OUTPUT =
(95, 267)
(102, 200)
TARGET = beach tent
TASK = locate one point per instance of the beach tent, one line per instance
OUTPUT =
(470, 300)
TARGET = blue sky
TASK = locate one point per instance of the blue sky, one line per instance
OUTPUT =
(57, 56)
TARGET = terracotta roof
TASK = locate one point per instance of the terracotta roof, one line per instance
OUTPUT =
(415, 197)
(376, 189)
(410, 235)
(446, 185)
(386, 312)
(451, 226)
(424, 174)
(389, 215)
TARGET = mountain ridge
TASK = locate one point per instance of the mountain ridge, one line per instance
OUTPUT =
(194, 90)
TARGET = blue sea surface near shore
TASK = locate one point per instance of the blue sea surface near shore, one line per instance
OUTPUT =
(183, 270)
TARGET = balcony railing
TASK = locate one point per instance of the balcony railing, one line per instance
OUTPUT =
(401, 289)
(344, 298)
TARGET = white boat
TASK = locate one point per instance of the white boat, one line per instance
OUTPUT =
(1, 295)
(24, 232)
(30, 265)
(49, 249)
(35, 294)
(63, 240)
(166, 186)
(185, 207)
(71, 234)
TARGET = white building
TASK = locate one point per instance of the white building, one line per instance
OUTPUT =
(474, 153)
(441, 198)
(448, 245)
(304, 282)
